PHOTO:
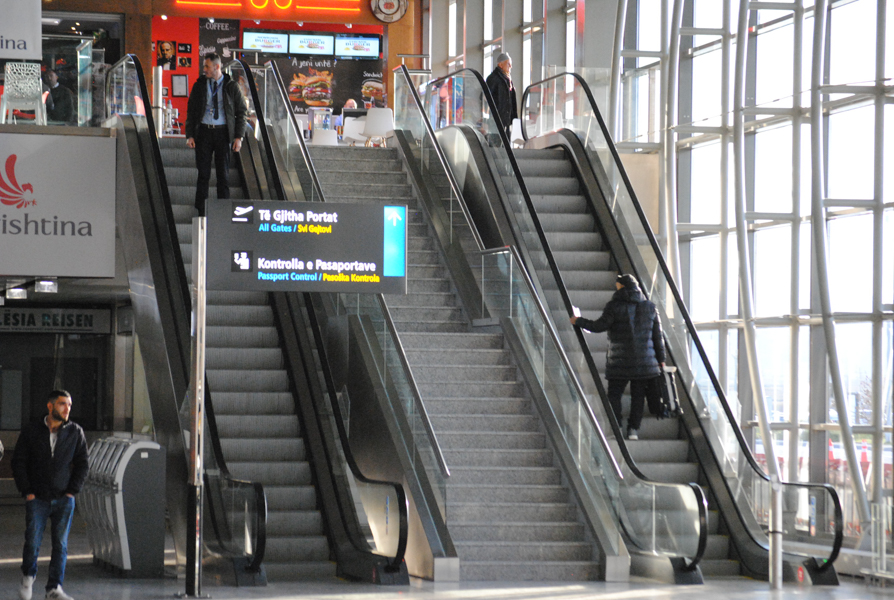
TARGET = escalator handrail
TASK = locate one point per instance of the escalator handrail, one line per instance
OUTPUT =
(305, 153)
(183, 285)
(702, 507)
(343, 438)
(265, 135)
(430, 131)
(417, 396)
(403, 511)
(684, 312)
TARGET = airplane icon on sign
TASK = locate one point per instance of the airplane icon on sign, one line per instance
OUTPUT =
(241, 210)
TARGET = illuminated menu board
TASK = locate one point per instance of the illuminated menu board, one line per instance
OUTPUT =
(307, 247)
(357, 46)
(311, 43)
(266, 42)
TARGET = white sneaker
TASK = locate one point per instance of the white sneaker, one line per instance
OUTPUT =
(58, 594)
(25, 590)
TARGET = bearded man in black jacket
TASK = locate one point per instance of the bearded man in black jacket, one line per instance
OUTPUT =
(50, 467)
(635, 348)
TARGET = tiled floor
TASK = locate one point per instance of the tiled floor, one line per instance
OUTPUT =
(86, 582)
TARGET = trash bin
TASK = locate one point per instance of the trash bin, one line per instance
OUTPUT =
(123, 501)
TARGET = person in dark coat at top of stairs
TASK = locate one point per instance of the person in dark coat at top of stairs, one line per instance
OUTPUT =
(635, 349)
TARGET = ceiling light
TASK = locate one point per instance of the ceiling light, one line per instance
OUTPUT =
(46, 286)
(17, 294)
(164, 17)
(211, 20)
(78, 24)
(348, 25)
(300, 23)
(73, 29)
(257, 21)
(50, 21)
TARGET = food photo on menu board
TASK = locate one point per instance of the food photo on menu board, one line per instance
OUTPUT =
(330, 83)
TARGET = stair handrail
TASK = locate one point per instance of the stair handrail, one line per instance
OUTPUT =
(394, 563)
(181, 284)
(701, 498)
(687, 319)
(265, 135)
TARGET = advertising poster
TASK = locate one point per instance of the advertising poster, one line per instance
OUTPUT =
(57, 205)
(327, 82)
(20, 30)
(166, 55)
(218, 36)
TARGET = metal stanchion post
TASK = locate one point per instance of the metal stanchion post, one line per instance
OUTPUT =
(775, 533)
(197, 414)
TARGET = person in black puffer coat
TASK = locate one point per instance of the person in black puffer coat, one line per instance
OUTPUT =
(635, 347)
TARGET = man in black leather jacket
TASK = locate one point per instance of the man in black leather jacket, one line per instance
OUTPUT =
(215, 124)
(50, 466)
(635, 350)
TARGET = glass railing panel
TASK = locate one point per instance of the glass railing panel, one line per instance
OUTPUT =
(749, 485)
(401, 390)
(410, 119)
(123, 95)
(656, 517)
(287, 131)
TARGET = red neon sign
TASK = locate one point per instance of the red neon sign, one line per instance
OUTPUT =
(280, 4)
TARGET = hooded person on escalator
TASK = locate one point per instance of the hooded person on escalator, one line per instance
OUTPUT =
(635, 348)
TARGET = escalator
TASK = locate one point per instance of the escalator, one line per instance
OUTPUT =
(303, 515)
(566, 201)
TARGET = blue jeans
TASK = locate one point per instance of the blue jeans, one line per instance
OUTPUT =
(59, 513)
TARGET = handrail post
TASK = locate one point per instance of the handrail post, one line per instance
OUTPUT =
(196, 413)
(775, 533)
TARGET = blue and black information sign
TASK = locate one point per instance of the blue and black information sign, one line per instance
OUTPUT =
(307, 247)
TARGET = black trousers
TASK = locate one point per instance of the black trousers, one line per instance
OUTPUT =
(638, 390)
(212, 143)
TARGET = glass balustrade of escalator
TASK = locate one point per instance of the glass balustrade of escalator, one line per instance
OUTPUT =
(812, 511)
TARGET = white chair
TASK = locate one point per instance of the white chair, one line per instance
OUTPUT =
(325, 137)
(379, 125)
(22, 90)
(353, 130)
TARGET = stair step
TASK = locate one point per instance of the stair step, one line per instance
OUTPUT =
(522, 552)
(499, 458)
(491, 440)
(459, 513)
(508, 476)
(457, 492)
(528, 571)
(484, 531)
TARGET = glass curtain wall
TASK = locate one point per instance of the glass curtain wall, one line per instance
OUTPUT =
(858, 146)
